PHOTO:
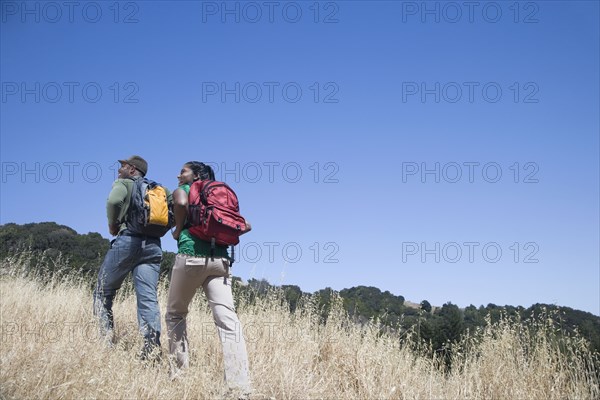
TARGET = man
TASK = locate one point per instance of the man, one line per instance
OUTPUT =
(129, 252)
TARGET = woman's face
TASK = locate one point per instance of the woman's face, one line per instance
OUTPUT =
(186, 176)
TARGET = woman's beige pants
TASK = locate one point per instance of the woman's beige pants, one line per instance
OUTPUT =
(189, 273)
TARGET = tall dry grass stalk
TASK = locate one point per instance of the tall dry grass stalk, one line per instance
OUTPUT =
(49, 349)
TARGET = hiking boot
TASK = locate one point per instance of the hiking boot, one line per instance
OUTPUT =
(151, 354)
(151, 350)
(237, 394)
(177, 374)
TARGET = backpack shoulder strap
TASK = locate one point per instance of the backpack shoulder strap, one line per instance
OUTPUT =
(135, 196)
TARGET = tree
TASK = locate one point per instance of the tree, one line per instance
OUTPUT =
(292, 295)
(451, 324)
(426, 306)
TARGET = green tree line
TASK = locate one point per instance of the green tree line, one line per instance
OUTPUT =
(53, 248)
(48, 247)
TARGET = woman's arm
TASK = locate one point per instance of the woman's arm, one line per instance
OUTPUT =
(180, 209)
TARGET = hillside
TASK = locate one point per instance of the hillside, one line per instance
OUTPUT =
(56, 249)
(54, 353)
(44, 242)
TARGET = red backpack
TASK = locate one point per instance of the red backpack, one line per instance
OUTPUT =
(214, 213)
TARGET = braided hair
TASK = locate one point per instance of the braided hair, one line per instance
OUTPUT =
(202, 171)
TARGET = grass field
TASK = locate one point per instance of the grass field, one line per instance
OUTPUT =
(50, 350)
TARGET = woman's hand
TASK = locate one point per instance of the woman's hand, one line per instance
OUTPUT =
(176, 234)
(248, 228)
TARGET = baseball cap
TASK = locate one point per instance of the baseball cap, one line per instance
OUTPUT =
(138, 162)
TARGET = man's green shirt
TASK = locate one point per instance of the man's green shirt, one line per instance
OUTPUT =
(117, 204)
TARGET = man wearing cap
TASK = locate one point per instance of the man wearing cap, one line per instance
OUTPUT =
(129, 252)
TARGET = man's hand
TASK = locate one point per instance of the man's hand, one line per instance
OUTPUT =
(113, 229)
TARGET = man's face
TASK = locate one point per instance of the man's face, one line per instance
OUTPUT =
(126, 171)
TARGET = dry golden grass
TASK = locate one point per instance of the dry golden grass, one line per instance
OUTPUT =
(49, 349)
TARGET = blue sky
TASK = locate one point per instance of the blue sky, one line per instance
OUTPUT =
(432, 150)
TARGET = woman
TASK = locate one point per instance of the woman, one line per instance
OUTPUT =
(196, 267)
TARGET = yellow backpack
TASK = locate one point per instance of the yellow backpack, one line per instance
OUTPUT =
(150, 211)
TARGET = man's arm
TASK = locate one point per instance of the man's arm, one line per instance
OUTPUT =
(114, 204)
(180, 209)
